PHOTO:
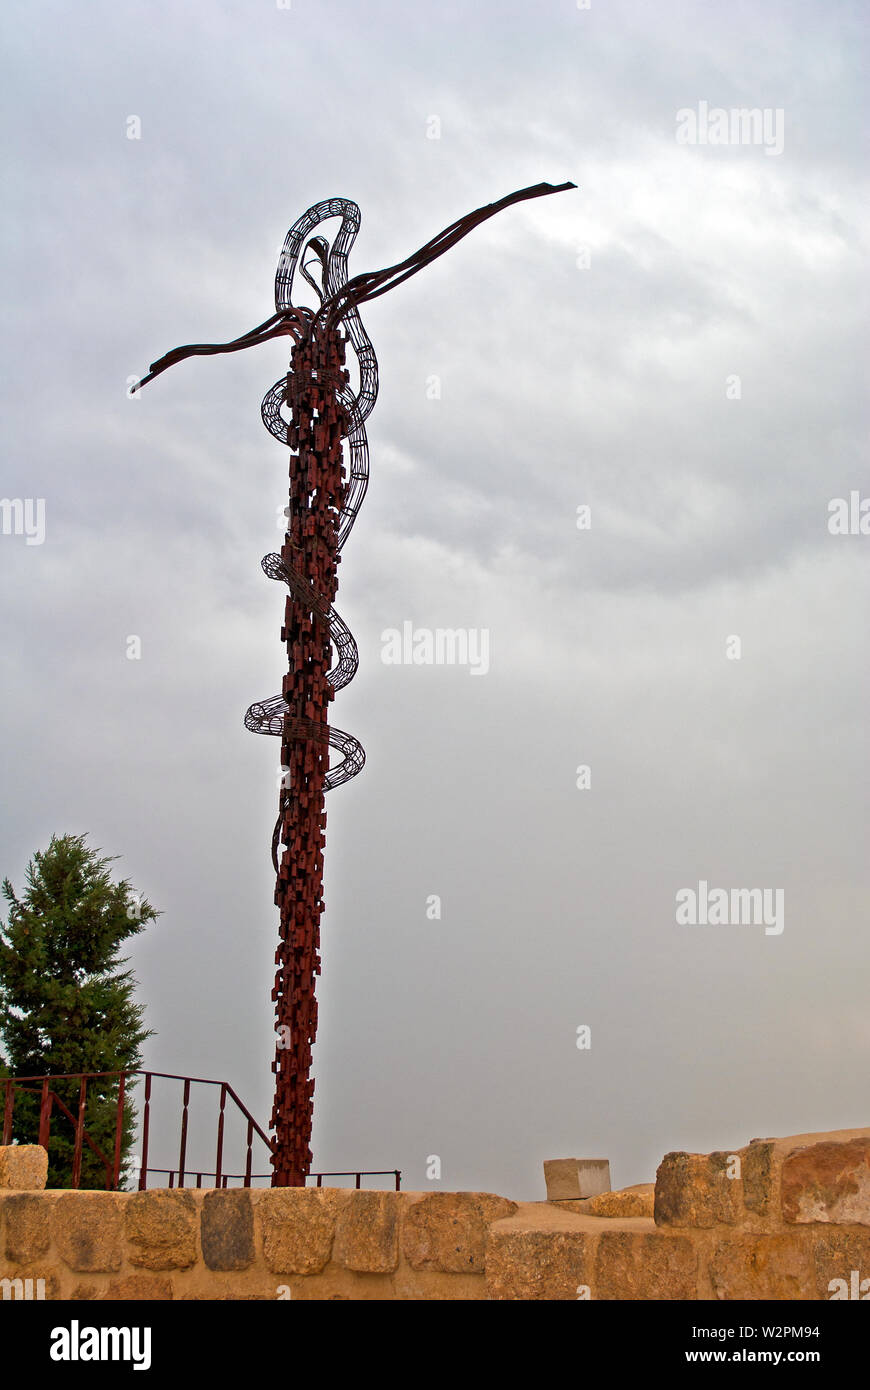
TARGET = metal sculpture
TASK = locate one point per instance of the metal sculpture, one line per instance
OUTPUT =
(324, 410)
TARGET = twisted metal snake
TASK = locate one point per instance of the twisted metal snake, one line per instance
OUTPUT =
(268, 716)
(339, 303)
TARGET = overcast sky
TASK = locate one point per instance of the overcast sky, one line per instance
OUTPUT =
(678, 345)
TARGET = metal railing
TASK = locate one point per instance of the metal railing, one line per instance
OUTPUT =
(48, 1099)
(372, 1173)
(177, 1176)
(344, 1173)
(226, 1091)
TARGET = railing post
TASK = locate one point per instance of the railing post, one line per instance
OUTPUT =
(143, 1172)
(398, 1180)
(44, 1114)
(183, 1151)
(319, 1179)
(119, 1132)
(220, 1136)
(248, 1160)
(80, 1129)
(358, 1178)
(7, 1112)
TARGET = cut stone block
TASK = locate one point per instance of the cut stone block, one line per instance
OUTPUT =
(829, 1182)
(645, 1265)
(161, 1229)
(227, 1229)
(698, 1190)
(629, 1201)
(447, 1231)
(367, 1233)
(526, 1265)
(571, 1178)
(87, 1230)
(23, 1166)
(298, 1226)
(28, 1236)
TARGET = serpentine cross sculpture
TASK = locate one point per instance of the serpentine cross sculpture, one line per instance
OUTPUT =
(323, 410)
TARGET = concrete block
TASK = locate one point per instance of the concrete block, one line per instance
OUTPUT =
(568, 1178)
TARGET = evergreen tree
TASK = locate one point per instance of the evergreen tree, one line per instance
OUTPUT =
(66, 1005)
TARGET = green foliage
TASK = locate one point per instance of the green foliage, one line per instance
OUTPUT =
(66, 1004)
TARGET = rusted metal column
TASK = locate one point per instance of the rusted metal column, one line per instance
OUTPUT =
(309, 554)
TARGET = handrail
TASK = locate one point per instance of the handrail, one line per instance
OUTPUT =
(365, 1173)
(15, 1085)
(344, 1173)
(78, 1122)
(165, 1075)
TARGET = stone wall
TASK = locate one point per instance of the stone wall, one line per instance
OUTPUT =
(780, 1219)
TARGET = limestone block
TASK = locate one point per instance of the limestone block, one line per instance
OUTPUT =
(447, 1230)
(227, 1229)
(28, 1232)
(538, 1265)
(139, 1288)
(628, 1201)
(298, 1225)
(161, 1229)
(639, 1265)
(762, 1267)
(696, 1190)
(367, 1235)
(758, 1174)
(23, 1166)
(576, 1177)
(428, 1286)
(828, 1182)
(840, 1257)
(87, 1229)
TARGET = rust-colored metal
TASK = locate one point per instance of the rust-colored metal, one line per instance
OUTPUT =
(19, 1085)
(45, 1105)
(219, 1157)
(326, 490)
(50, 1100)
(8, 1104)
(309, 554)
(80, 1130)
(15, 1085)
(185, 1104)
(146, 1130)
(119, 1132)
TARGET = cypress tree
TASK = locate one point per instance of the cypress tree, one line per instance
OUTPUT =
(66, 1003)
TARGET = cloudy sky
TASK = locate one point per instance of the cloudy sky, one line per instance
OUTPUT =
(678, 345)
